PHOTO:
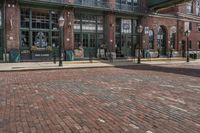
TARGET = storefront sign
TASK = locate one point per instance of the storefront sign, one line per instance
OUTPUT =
(126, 26)
(41, 55)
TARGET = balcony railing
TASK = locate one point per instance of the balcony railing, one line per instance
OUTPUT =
(130, 8)
(92, 3)
(110, 6)
(96, 4)
(45, 1)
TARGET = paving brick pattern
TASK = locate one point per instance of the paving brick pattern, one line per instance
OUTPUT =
(137, 99)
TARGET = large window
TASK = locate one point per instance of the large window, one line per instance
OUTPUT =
(172, 40)
(39, 28)
(88, 30)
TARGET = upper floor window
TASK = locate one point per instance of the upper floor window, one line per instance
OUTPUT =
(198, 8)
(172, 40)
(189, 7)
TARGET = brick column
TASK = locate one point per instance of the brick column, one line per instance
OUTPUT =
(68, 29)
(12, 19)
(110, 31)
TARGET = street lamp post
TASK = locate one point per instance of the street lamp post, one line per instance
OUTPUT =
(187, 34)
(140, 30)
(61, 22)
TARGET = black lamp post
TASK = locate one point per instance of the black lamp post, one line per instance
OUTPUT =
(187, 34)
(61, 22)
(140, 30)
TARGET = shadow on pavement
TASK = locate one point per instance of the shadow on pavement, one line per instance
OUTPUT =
(175, 70)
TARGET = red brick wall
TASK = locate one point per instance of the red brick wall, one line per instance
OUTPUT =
(12, 25)
(153, 23)
(110, 30)
(69, 29)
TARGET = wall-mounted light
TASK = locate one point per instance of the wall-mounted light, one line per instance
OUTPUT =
(68, 13)
(111, 40)
(68, 39)
(69, 24)
(11, 38)
(112, 25)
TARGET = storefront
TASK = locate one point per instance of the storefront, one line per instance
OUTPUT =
(40, 35)
(126, 37)
(88, 34)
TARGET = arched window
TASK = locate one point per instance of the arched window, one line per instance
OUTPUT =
(151, 39)
(172, 40)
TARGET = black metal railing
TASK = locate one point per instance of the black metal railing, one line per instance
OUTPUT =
(91, 3)
(98, 4)
(46, 1)
(130, 8)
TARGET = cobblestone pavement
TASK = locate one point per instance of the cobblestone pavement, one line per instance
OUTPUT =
(136, 99)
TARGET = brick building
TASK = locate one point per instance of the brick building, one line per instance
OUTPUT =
(91, 26)
(167, 28)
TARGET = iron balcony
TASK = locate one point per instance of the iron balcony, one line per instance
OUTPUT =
(93, 4)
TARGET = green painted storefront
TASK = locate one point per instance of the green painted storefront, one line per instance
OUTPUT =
(39, 30)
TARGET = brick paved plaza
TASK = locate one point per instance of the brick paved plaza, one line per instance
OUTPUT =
(134, 99)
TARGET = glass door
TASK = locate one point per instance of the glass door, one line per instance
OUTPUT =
(89, 45)
(118, 42)
(126, 45)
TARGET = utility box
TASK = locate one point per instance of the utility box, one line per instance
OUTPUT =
(14, 56)
(69, 55)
